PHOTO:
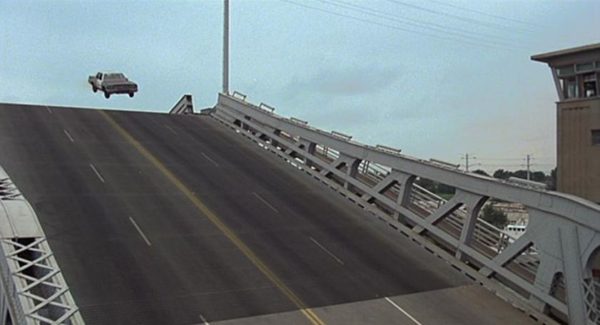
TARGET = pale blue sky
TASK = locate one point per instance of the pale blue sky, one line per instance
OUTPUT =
(454, 81)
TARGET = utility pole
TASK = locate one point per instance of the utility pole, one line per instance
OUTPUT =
(528, 167)
(225, 47)
(466, 158)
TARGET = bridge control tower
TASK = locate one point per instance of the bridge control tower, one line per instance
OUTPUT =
(576, 73)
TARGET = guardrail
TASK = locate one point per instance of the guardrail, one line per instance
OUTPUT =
(33, 288)
(551, 271)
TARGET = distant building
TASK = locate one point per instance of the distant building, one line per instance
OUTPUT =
(576, 74)
(515, 212)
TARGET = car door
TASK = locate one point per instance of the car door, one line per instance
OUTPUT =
(99, 80)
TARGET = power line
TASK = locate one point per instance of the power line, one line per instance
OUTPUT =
(377, 23)
(460, 32)
(479, 44)
(514, 159)
(514, 165)
(483, 13)
(496, 159)
(445, 14)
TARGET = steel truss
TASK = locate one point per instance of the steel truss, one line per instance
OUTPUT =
(33, 288)
(549, 271)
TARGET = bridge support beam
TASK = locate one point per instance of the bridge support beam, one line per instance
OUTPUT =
(473, 204)
(406, 182)
(310, 147)
(571, 256)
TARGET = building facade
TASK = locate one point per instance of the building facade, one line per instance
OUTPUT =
(576, 74)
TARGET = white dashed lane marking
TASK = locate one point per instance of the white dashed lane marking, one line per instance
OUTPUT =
(265, 202)
(97, 173)
(337, 259)
(403, 311)
(140, 231)
(68, 135)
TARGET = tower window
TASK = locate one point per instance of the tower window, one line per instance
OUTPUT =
(582, 67)
(596, 137)
(566, 70)
(570, 87)
(589, 85)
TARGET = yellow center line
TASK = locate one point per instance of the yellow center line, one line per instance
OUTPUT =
(312, 317)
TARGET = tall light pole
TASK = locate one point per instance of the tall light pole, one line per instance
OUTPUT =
(226, 47)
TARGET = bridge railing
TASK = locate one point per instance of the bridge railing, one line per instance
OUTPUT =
(550, 271)
(184, 105)
(33, 290)
(486, 233)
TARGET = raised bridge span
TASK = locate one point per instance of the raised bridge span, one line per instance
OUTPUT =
(143, 218)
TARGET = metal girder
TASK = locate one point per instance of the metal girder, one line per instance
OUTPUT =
(184, 105)
(561, 240)
(33, 288)
(571, 207)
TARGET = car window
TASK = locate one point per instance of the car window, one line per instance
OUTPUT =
(114, 76)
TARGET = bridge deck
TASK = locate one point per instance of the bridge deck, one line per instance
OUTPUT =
(136, 250)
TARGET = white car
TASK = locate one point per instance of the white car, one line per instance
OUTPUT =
(112, 83)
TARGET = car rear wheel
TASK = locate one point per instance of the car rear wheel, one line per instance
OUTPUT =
(130, 94)
(106, 94)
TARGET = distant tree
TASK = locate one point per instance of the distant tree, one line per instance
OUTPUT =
(502, 174)
(481, 172)
(519, 173)
(538, 177)
(445, 189)
(494, 216)
(551, 180)
(435, 187)
(427, 184)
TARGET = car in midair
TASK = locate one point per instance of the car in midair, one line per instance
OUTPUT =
(112, 83)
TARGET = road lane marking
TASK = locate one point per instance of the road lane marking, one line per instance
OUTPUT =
(265, 202)
(140, 231)
(68, 135)
(204, 321)
(170, 129)
(48, 109)
(210, 159)
(403, 311)
(97, 173)
(216, 221)
(327, 251)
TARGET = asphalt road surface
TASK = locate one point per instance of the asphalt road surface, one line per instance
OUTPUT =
(159, 219)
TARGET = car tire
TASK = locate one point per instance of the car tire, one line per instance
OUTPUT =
(106, 94)
(94, 89)
(130, 94)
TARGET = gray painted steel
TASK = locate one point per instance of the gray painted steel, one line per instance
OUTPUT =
(550, 266)
(184, 105)
(33, 288)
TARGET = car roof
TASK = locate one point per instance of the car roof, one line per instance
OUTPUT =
(114, 74)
